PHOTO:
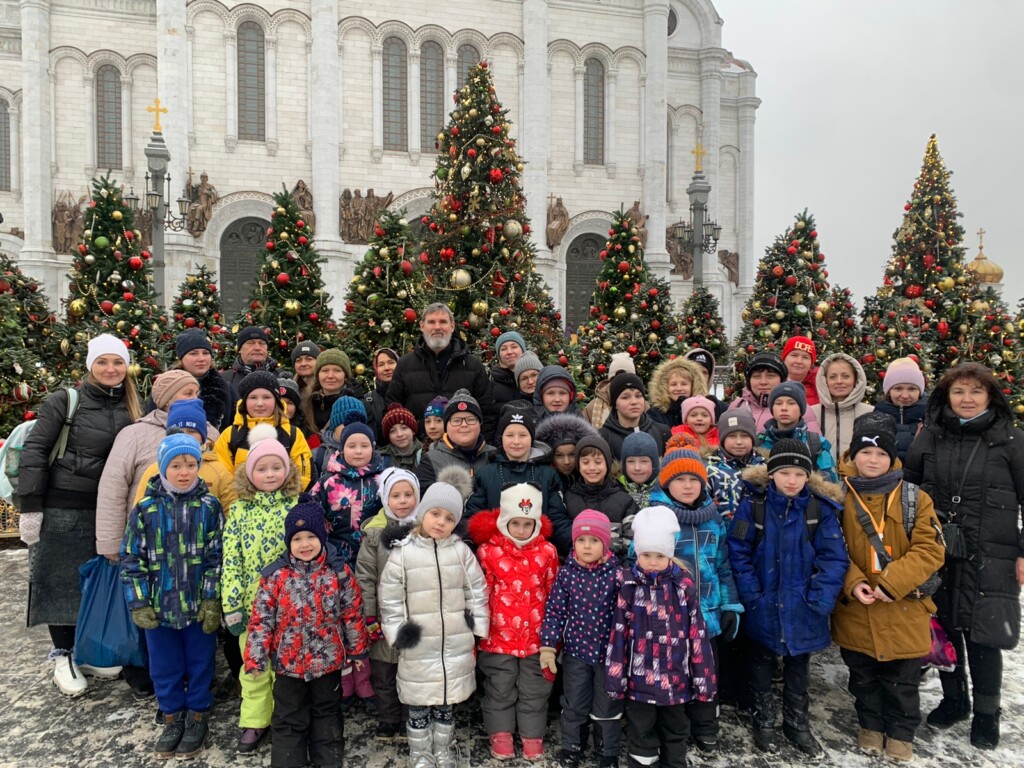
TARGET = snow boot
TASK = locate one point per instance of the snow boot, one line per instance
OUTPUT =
(170, 737)
(421, 742)
(196, 729)
(764, 722)
(446, 754)
(955, 705)
(796, 726)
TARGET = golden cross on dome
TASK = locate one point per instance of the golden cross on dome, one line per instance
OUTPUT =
(156, 110)
(699, 153)
(981, 238)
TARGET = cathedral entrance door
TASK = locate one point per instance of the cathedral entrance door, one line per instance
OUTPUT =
(582, 266)
(241, 251)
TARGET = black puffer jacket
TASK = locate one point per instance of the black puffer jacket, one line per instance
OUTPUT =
(443, 454)
(979, 593)
(608, 497)
(376, 403)
(416, 381)
(216, 396)
(73, 480)
(503, 383)
(614, 433)
(233, 376)
(908, 420)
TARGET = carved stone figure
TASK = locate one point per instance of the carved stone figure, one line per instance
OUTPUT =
(682, 263)
(558, 222)
(639, 220)
(144, 223)
(200, 210)
(731, 262)
(304, 199)
(357, 214)
(62, 220)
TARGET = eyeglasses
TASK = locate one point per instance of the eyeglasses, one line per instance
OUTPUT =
(463, 421)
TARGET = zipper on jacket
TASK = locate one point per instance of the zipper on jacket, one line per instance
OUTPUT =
(440, 611)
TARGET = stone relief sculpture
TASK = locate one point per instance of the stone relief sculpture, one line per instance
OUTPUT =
(68, 222)
(731, 261)
(357, 215)
(304, 199)
(144, 223)
(203, 196)
(639, 220)
(682, 263)
(558, 222)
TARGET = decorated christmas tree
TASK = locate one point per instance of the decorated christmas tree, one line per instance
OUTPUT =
(994, 340)
(478, 256)
(197, 305)
(631, 310)
(289, 297)
(844, 325)
(32, 307)
(23, 377)
(701, 323)
(112, 289)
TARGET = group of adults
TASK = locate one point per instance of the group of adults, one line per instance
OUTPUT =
(969, 456)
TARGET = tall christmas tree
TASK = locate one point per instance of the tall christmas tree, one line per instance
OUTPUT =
(32, 307)
(289, 297)
(478, 255)
(23, 377)
(197, 305)
(112, 288)
(631, 310)
(994, 340)
(922, 306)
(702, 324)
(844, 325)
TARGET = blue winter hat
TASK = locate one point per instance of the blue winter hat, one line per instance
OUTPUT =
(436, 407)
(188, 414)
(191, 339)
(791, 389)
(306, 515)
(356, 428)
(176, 445)
(641, 444)
(510, 336)
(347, 410)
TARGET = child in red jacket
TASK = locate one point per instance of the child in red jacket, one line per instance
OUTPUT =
(520, 565)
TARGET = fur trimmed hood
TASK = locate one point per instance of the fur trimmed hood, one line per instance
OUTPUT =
(246, 490)
(657, 388)
(756, 477)
(563, 429)
(483, 526)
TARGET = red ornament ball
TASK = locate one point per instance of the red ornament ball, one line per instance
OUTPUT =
(623, 266)
(407, 268)
(129, 296)
(135, 262)
(563, 360)
(283, 278)
(300, 224)
(496, 175)
(190, 322)
(270, 245)
(602, 368)
(778, 271)
(410, 315)
(495, 332)
(303, 240)
(107, 306)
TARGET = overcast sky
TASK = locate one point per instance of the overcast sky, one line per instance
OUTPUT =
(850, 93)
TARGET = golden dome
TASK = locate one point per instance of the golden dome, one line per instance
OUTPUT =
(984, 269)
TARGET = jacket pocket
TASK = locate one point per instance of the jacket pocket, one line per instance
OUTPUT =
(995, 621)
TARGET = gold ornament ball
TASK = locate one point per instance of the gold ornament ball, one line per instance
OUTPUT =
(77, 307)
(745, 315)
(822, 306)
(756, 305)
(607, 346)
(1019, 409)
(475, 321)
(818, 315)
(402, 294)
(881, 353)
(963, 328)
(280, 210)
(480, 308)
(117, 215)
(634, 317)
(461, 279)
(135, 370)
(780, 315)
(652, 338)
(513, 229)
(360, 369)
(292, 307)
(620, 313)
(361, 289)
(946, 283)
(775, 328)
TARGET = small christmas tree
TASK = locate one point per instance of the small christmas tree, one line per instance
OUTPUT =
(289, 297)
(994, 340)
(197, 305)
(23, 379)
(701, 323)
(32, 307)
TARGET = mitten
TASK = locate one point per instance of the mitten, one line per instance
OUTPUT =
(29, 526)
(236, 622)
(145, 617)
(548, 667)
(209, 615)
(373, 630)
(730, 625)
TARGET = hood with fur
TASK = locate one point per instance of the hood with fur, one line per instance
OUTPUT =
(657, 389)
(562, 429)
(757, 477)
(483, 526)
(246, 490)
(859, 386)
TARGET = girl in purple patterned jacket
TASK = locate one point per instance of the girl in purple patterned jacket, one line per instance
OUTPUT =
(659, 655)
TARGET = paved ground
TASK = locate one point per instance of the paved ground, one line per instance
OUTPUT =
(107, 727)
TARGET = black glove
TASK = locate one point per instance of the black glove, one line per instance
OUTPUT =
(730, 622)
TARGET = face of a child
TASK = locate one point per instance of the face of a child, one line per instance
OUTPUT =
(588, 549)
(786, 412)
(400, 436)
(305, 546)
(652, 562)
(630, 405)
(509, 354)
(269, 473)
(433, 426)
(593, 468)
(357, 451)
(331, 378)
(516, 441)
(521, 528)
(684, 488)
(904, 395)
(289, 408)
(564, 459)
(305, 366)
(528, 382)
(260, 404)
(798, 364)
(763, 381)
(679, 385)
(840, 379)
(699, 420)
(438, 523)
(556, 398)
(182, 472)
(402, 499)
(790, 480)
(738, 444)
(872, 462)
(639, 468)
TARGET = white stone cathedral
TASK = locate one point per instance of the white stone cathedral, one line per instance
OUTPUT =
(610, 100)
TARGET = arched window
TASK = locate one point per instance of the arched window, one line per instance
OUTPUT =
(252, 93)
(396, 95)
(593, 112)
(108, 117)
(5, 148)
(431, 93)
(469, 57)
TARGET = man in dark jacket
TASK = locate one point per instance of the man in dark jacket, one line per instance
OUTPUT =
(253, 348)
(440, 364)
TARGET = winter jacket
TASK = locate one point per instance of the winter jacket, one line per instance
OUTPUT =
(519, 579)
(408, 460)
(443, 454)
(171, 554)
(788, 583)
(219, 481)
(701, 546)
(299, 452)
(668, 410)
(376, 403)
(598, 409)
(640, 492)
(380, 534)
(218, 403)
(900, 629)
(307, 619)
(909, 420)
(835, 420)
(810, 383)
(254, 538)
(759, 409)
(432, 603)
(505, 389)
(72, 482)
(614, 433)
(607, 497)
(578, 613)
(724, 482)
(979, 593)
(822, 457)
(417, 381)
(323, 453)
(233, 376)
(348, 496)
(659, 651)
(500, 472)
(683, 436)
(319, 405)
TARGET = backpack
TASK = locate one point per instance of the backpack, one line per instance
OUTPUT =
(240, 438)
(758, 508)
(14, 445)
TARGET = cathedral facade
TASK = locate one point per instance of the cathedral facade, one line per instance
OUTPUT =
(614, 103)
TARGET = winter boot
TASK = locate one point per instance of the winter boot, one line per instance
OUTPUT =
(174, 729)
(764, 722)
(196, 728)
(985, 730)
(68, 677)
(796, 725)
(421, 742)
(446, 754)
(955, 705)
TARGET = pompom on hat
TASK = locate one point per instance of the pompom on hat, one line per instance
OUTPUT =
(263, 442)
(682, 462)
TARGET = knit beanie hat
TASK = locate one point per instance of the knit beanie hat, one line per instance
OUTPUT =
(595, 441)
(874, 430)
(334, 357)
(462, 402)
(168, 384)
(692, 403)
(176, 445)
(768, 360)
(436, 407)
(520, 500)
(388, 479)
(259, 380)
(248, 334)
(105, 344)
(640, 444)
(290, 391)
(736, 420)
(441, 496)
(510, 336)
(346, 410)
(307, 515)
(188, 414)
(804, 344)
(703, 358)
(528, 362)
(621, 361)
(590, 522)
(189, 340)
(623, 381)
(902, 371)
(357, 428)
(305, 349)
(517, 413)
(263, 442)
(791, 389)
(683, 462)
(790, 453)
(655, 530)
(394, 415)
(555, 374)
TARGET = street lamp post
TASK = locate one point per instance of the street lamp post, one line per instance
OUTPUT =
(700, 234)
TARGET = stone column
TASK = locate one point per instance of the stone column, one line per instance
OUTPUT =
(127, 159)
(231, 89)
(451, 63)
(711, 60)
(655, 108)
(172, 87)
(579, 106)
(413, 92)
(190, 34)
(610, 145)
(270, 46)
(747, 106)
(89, 91)
(377, 70)
(15, 116)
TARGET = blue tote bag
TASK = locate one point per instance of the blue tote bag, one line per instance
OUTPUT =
(105, 635)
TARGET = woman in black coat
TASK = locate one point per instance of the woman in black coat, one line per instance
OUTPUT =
(970, 459)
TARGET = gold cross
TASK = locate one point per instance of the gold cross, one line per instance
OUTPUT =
(156, 110)
(981, 238)
(699, 153)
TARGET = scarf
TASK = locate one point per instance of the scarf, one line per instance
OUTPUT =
(876, 485)
(704, 509)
